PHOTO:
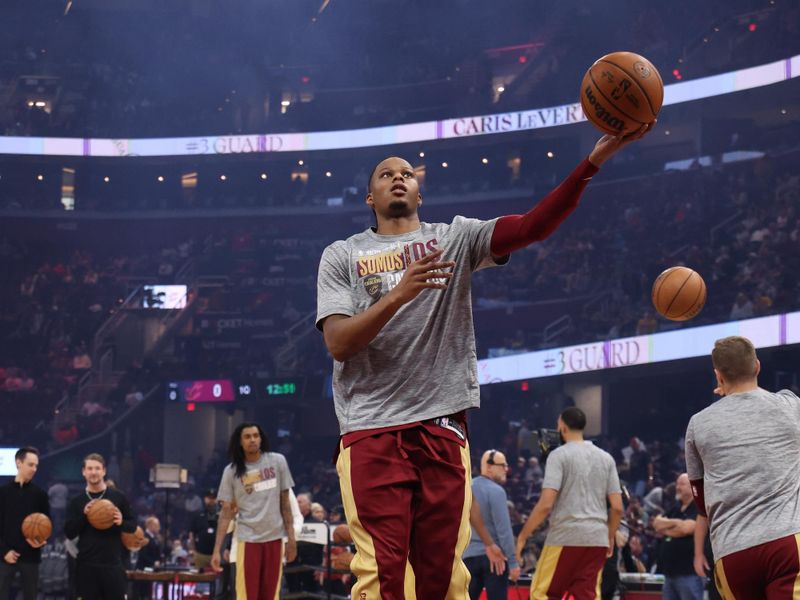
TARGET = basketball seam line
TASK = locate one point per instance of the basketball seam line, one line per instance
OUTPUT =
(678, 293)
(639, 85)
(693, 305)
(599, 91)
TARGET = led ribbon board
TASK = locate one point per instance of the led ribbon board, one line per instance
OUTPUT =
(538, 118)
(764, 332)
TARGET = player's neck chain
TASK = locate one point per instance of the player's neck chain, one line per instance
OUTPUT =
(100, 497)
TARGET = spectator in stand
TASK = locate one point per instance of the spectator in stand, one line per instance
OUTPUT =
(318, 512)
(150, 556)
(742, 308)
(308, 555)
(58, 494)
(640, 471)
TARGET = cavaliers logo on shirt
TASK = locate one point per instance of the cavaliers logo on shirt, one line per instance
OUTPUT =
(373, 284)
(259, 480)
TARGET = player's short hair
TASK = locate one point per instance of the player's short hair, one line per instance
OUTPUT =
(574, 418)
(735, 358)
(23, 452)
(94, 456)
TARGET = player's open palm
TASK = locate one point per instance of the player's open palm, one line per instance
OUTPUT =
(425, 274)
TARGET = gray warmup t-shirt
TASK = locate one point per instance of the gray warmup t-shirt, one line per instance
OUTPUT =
(746, 449)
(258, 495)
(584, 476)
(422, 364)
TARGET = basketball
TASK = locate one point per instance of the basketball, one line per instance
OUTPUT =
(37, 527)
(679, 294)
(135, 540)
(341, 535)
(101, 515)
(621, 92)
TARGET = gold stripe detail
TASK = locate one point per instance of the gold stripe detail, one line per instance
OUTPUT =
(721, 581)
(364, 565)
(241, 586)
(545, 571)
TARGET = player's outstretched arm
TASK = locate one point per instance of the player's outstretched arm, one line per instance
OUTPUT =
(513, 232)
(346, 336)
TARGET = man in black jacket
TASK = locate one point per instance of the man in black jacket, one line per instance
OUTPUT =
(18, 499)
(100, 573)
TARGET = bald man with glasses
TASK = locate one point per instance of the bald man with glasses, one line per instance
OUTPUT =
(488, 492)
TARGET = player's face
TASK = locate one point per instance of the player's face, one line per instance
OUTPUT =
(93, 472)
(394, 189)
(251, 440)
(26, 468)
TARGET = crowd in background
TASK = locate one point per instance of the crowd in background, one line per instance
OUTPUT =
(113, 74)
(732, 224)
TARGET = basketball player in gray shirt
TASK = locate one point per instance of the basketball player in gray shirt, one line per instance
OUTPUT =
(393, 305)
(743, 459)
(580, 483)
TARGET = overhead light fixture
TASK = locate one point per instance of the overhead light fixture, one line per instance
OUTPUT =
(263, 176)
(550, 154)
(444, 165)
(328, 173)
(485, 161)
(160, 178)
(106, 178)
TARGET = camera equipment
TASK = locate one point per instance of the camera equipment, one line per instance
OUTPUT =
(549, 440)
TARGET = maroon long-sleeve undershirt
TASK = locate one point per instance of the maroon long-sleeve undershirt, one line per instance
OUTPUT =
(513, 232)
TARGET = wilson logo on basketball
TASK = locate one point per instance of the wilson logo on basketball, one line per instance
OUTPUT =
(601, 113)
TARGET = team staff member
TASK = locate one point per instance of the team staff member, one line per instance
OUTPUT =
(743, 460)
(99, 570)
(393, 303)
(258, 481)
(203, 530)
(18, 499)
(676, 550)
(580, 482)
(491, 498)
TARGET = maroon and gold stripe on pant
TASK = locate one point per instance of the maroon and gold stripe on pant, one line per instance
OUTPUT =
(770, 570)
(407, 496)
(569, 572)
(259, 567)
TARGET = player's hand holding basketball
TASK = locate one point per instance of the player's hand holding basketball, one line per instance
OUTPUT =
(117, 517)
(34, 543)
(420, 275)
(88, 506)
(608, 145)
